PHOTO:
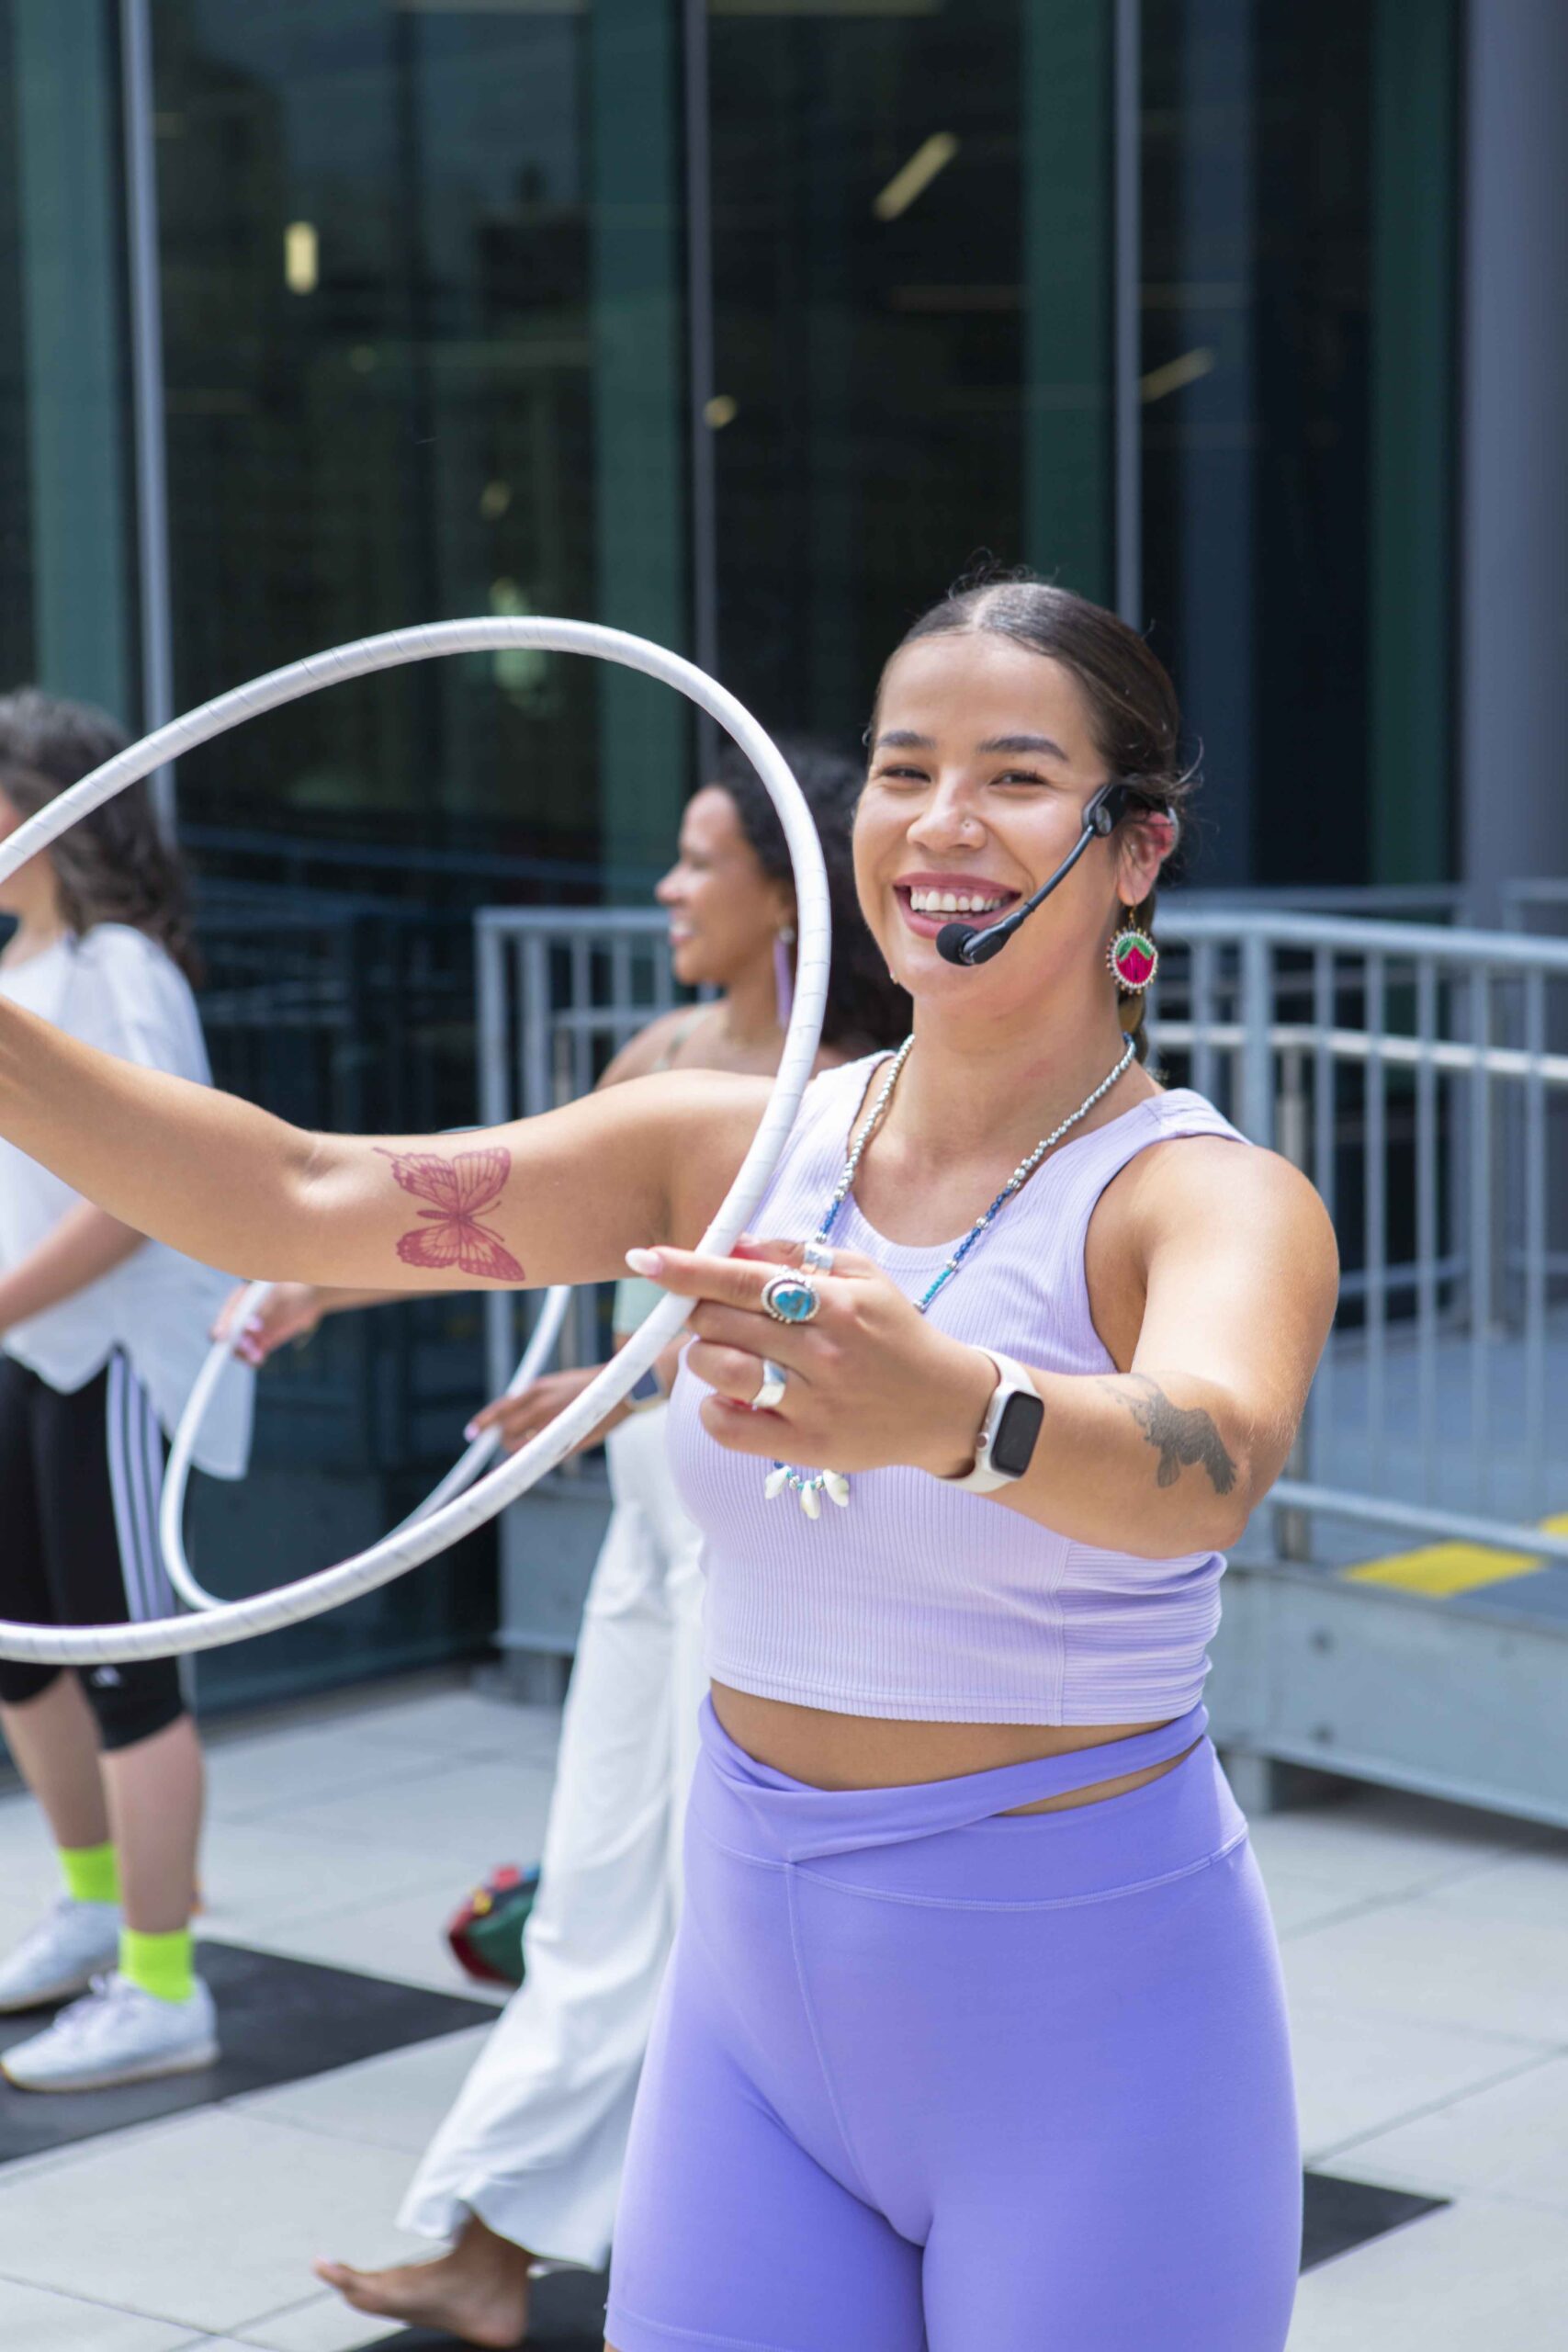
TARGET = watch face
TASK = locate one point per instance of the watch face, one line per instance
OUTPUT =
(1012, 1448)
(645, 1389)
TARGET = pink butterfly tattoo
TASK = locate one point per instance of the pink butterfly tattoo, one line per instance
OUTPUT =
(460, 1188)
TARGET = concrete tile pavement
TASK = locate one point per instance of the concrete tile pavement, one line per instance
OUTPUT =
(1426, 1952)
(42, 2322)
(1480, 2271)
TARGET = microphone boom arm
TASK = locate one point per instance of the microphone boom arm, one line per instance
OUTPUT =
(966, 943)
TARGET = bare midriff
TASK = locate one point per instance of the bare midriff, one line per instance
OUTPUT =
(832, 1751)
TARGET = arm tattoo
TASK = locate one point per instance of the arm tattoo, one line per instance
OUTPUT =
(1185, 1435)
(460, 1188)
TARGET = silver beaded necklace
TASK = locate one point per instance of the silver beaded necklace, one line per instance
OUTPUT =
(810, 1485)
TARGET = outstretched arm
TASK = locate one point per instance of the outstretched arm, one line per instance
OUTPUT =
(1234, 1257)
(556, 1199)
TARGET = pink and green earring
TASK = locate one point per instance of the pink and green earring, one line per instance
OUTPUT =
(1132, 957)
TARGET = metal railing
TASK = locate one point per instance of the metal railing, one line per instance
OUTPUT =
(1418, 1073)
(1540, 899)
(560, 991)
(1392, 901)
(1419, 1076)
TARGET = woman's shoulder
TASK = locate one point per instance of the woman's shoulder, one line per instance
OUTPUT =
(649, 1050)
(124, 983)
(740, 1097)
(118, 950)
(1172, 1141)
(1182, 1110)
(1196, 1167)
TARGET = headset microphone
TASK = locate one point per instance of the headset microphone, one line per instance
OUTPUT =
(964, 943)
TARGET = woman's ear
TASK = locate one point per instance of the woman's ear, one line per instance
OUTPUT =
(1146, 840)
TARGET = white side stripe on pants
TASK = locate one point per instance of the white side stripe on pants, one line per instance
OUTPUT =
(136, 1479)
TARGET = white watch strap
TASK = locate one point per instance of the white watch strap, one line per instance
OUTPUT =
(1011, 1381)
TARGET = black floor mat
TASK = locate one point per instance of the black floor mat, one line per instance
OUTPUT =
(1345, 2213)
(568, 2305)
(279, 2020)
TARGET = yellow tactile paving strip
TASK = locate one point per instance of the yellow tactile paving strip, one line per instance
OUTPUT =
(1440, 1571)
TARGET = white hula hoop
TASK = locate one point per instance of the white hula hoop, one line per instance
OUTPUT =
(198, 1404)
(408, 1547)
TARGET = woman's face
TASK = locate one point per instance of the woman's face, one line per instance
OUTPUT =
(724, 911)
(981, 766)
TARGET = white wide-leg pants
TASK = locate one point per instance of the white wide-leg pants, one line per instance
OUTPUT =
(535, 2142)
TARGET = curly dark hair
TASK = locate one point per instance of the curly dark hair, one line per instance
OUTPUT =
(865, 1008)
(1133, 706)
(115, 865)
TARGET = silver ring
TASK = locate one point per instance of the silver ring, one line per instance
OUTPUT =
(775, 1379)
(790, 1298)
(817, 1257)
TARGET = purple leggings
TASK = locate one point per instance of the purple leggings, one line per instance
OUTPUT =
(923, 2077)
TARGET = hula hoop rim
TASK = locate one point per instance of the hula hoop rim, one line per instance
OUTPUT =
(224, 1352)
(394, 1554)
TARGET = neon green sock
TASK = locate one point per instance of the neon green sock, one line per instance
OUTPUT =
(161, 1966)
(92, 1873)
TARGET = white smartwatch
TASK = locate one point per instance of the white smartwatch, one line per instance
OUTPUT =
(1005, 1447)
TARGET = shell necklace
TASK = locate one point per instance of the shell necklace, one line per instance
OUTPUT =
(810, 1485)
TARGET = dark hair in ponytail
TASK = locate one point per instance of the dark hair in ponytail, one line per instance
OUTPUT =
(1133, 706)
(865, 1008)
(115, 865)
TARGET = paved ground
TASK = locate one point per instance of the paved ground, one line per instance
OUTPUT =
(1427, 1950)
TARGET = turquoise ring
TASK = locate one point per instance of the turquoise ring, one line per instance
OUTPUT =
(790, 1299)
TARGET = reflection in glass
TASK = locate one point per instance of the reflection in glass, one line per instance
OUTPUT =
(395, 359)
(1296, 323)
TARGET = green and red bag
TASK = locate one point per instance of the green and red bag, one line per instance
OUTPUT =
(486, 1932)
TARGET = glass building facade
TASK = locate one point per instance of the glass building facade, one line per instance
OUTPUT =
(748, 326)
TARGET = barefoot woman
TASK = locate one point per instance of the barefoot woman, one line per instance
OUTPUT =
(527, 2164)
(973, 2033)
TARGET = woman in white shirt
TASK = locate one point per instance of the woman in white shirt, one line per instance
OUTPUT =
(101, 1334)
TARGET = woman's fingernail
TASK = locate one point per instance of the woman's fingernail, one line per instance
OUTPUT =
(646, 1262)
(471, 1431)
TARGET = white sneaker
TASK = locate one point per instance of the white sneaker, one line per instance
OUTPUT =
(61, 1956)
(119, 2034)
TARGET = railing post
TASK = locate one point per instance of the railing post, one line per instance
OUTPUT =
(1293, 1526)
(1256, 1050)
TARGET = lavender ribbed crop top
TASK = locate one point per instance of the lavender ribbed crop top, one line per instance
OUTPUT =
(917, 1602)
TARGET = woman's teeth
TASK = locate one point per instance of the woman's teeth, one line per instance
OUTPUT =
(950, 902)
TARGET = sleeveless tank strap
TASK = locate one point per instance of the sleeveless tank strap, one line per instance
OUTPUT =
(1102, 1156)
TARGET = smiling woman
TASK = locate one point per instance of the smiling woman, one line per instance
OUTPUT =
(729, 894)
(1110, 1358)
(1114, 687)
(1054, 1326)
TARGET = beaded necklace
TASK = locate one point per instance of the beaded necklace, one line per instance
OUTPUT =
(810, 1485)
